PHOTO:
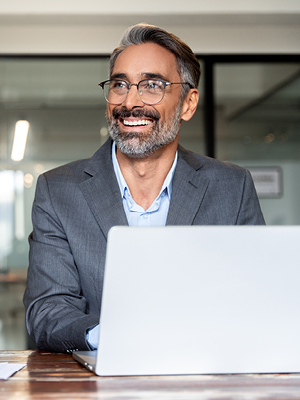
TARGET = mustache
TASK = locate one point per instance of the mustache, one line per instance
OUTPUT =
(151, 114)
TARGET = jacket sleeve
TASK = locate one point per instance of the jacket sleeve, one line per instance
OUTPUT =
(250, 212)
(56, 311)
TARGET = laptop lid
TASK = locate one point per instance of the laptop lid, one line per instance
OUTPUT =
(200, 300)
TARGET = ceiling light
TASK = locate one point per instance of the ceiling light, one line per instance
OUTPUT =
(20, 139)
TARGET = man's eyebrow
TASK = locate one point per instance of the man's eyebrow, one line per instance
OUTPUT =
(119, 76)
(152, 75)
(144, 75)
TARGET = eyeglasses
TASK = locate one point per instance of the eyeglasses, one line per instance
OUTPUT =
(151, 91)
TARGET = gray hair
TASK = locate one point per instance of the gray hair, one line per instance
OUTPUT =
(188, 66)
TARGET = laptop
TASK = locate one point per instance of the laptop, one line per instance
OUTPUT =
(199, 300)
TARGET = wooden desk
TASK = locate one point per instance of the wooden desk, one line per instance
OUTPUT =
(57, 376)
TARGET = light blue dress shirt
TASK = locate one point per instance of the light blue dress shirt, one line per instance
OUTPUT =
(156, 215)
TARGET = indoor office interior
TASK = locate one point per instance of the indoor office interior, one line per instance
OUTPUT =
(248, 114)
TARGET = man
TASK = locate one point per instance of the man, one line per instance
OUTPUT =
(139, 177)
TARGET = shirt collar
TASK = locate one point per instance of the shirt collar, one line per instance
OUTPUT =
(167, 185)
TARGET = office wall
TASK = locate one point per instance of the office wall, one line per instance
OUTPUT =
(132, 7)
(93, 26)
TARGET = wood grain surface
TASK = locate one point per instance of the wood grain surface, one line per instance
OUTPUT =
(49, 376)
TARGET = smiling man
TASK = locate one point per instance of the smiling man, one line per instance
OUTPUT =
(145, 108)
(140, 177)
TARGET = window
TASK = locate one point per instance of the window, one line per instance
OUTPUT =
(257, 123)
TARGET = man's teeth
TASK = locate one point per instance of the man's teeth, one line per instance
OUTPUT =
(135, 123)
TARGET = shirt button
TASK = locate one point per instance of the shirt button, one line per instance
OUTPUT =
(145, 216)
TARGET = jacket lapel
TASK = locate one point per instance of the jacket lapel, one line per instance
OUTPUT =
(101, 190)
(188, 189)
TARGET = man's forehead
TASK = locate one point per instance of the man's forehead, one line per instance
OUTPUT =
(147, 60)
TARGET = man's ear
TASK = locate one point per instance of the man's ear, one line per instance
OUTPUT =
(189, 104)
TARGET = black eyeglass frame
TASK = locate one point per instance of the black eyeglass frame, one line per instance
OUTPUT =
(165, 84)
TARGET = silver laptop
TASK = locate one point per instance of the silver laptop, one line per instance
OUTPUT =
(199, 300)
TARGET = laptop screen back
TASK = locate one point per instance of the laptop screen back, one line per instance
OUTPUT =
(190, 300)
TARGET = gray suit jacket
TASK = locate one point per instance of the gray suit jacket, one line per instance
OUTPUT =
(74, 208)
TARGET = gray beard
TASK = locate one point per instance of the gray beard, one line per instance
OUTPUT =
(140, 146)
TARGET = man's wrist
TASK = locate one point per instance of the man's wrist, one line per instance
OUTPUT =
(92, 337)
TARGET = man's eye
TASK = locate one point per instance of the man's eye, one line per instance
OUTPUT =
(152, 85)
(118, 85)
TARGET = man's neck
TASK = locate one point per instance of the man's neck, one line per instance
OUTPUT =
(145, 176)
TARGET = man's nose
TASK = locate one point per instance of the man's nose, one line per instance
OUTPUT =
(133, 98)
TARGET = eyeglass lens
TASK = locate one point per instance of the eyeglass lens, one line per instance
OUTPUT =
(151, 91)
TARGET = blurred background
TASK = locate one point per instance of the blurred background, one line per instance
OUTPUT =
(52, 56)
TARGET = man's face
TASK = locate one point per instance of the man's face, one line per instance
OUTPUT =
(140, 129)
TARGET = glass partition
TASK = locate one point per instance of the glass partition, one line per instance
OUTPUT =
(258, 126)
(64, 107)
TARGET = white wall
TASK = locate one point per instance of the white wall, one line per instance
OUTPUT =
(93, 26)
(132, 6)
